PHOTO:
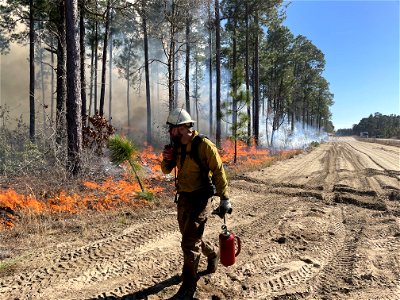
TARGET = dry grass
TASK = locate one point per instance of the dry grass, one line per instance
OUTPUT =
(35, 232)
(388, 142)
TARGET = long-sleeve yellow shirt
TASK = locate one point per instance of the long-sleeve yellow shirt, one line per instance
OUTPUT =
(190, 176)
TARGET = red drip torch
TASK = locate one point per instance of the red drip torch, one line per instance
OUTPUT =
(229, 246)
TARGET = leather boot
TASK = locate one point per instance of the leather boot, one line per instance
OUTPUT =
(185, 292)
(212, 264)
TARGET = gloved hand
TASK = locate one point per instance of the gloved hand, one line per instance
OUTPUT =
(223, 208)
(168, 153)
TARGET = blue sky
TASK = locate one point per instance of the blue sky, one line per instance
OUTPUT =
(360, 40)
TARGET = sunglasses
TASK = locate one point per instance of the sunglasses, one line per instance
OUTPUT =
(171, 126)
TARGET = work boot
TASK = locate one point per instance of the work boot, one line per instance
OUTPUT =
(185, 292)
(212, 264)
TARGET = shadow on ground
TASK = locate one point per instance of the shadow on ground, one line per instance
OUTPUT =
(145, 293)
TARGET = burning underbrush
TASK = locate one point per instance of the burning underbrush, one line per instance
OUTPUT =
(119, 190)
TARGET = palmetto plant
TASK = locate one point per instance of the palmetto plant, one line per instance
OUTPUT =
(122, 150)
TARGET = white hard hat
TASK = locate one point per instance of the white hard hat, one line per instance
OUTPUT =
(179, 116)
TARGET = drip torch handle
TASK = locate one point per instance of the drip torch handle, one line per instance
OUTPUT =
(220, 213)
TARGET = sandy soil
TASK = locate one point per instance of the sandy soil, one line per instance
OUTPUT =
(322, 225)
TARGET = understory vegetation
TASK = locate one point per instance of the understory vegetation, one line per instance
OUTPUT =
(36, 189)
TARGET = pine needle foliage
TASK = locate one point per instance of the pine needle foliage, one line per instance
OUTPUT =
(122, 150)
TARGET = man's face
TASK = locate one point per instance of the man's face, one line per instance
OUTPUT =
(176, 132)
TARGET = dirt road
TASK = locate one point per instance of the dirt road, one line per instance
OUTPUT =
(322, 225)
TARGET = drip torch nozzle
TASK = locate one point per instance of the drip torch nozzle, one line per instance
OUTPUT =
(224, 229)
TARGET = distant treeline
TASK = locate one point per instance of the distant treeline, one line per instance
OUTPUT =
(376, 125)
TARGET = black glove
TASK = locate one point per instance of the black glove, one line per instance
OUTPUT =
(223, 208)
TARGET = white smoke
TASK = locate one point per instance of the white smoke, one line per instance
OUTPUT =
(285, 138)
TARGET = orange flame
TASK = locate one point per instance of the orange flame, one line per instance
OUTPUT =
(151, 161)
(12, 200)
(107, 195)
(251, 155)
(112, 194)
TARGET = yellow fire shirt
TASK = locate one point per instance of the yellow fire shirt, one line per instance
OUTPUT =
(190, 176)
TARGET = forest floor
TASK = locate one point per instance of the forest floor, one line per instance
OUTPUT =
(322, 225)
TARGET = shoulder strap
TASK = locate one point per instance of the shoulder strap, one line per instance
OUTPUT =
(194, 153)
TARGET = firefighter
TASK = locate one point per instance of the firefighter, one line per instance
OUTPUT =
(195, 191)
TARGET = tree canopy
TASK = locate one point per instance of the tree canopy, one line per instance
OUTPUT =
(376, 125)
(172, 43)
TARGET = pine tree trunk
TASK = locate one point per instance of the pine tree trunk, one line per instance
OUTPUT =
(31, 73)
(61, 77)
(96, 61)
(42, 88)
(176, 71)
(52, 85)
(147, 73)
(171, 76)
(110, 68)
(82, 54)
(256, 112)
(128, 99)
(187, 66)
(234, 100)
(210, 83)
(171, 64)
(247, 74)
(104, 59)
(74, 103)
(92, 68)
(218, 74)
(196, 92)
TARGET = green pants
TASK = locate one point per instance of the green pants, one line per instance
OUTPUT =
(193, 211)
